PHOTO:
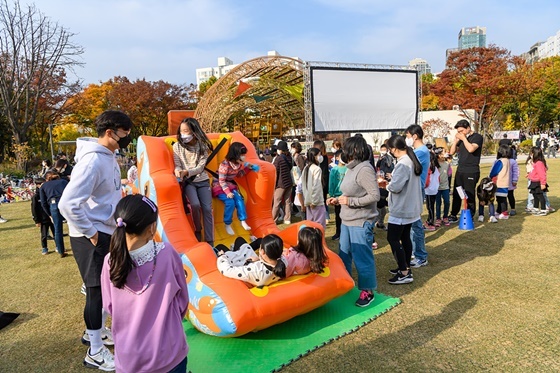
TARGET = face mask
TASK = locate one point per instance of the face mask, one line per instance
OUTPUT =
(186, 138)
(320, 158)
(293, 151)
(382, 153)
(124, 141)
(242, 158)
(279, 152)
(409, 141)
(334, 150)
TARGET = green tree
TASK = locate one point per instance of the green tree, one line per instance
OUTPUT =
(206, 85)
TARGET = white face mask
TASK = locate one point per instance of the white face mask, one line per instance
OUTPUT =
(333, 149)
(320, 158)
(382, 153)
(242, 158)
(186, 138)
(279, 152)
(293, 151)
(409, 141)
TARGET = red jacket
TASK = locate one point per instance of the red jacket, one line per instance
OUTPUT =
(538, 174)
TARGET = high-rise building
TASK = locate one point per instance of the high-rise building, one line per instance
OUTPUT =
(472, 37)
(543, 49)
(421, 65)
(225, 65)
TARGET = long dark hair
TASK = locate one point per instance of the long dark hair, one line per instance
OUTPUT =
(537, 155)
(197, 132)
(273, 247)
(133, 215)
(235, 151)
(310, 244)
(398, 142)
(504, 151)
(434, 163)
(312, 154)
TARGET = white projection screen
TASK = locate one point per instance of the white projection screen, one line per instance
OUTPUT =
(363, 100)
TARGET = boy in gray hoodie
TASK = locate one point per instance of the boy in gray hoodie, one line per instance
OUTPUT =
(88, 203)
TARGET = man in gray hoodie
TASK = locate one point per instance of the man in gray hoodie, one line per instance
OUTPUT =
(88, 204)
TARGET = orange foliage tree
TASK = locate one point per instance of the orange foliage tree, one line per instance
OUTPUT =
(475, 78)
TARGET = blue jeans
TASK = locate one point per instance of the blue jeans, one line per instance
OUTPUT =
(181, 367)
(231, 204)
(355, 244)
(442, 194)
(57, 221)
(418, 240)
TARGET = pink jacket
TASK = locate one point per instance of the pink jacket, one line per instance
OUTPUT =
(538, 174)
(298, 264)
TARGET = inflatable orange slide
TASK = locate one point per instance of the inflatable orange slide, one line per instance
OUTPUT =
(219, 305)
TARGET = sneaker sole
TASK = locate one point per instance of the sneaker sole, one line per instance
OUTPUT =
(98, 367)
(365, 305)
(401, 282)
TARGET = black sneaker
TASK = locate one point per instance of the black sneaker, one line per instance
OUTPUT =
(394, 271)
(452, 219)
(400, 279)
(336, 237)
(365, 299)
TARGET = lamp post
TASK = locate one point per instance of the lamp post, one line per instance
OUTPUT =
(50, 140)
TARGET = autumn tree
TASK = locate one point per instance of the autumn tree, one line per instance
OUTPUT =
(34, 54)
(435, 129)
(147, 103)
(476, 79)
(534, 94)
(83, 107)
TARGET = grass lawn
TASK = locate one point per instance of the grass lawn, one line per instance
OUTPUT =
(487, 301)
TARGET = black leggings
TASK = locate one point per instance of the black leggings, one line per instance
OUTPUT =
(511, 199)
(398, 237)
(93, 309)
(539, 200)
(502, 204)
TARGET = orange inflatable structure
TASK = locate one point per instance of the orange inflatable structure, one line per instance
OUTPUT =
(219, 305)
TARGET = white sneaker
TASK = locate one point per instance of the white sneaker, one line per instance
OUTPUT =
(481, 218)
(245, 225)
(503, 216)
(2, 220)
(103, 360)
(229, 230)
(287, 222)
(106, 337)
(493, 219)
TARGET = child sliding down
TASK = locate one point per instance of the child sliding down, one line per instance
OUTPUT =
(225, 189)
(243, 264)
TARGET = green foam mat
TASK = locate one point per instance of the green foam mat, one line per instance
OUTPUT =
(273, 348)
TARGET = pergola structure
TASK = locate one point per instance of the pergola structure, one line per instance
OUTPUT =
(259, 95)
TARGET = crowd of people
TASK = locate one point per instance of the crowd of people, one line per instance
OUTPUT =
(112, 238)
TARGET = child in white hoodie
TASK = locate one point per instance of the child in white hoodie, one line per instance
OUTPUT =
(88, 204)
(312, 188)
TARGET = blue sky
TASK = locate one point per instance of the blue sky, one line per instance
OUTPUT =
(169, 39)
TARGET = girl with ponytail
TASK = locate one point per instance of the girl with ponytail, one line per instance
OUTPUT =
(405, 206)
(145, 291)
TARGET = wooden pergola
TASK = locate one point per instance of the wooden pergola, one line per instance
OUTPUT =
(269, 102)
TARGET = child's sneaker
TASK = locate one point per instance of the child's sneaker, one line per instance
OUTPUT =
(446, 222)
(541, 213)
(45, 251)
(503, 216)
(365, 298)
(103, 360)
(429, 227)
(2, 220)
(452, 219)
(481, 218)
(417, 263)
(512, 213)
(245, 225)
(437, 223)
(493, 219)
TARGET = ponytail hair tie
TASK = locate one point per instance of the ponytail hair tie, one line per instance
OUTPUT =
(120, 223)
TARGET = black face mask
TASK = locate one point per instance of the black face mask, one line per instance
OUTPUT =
(124, 141)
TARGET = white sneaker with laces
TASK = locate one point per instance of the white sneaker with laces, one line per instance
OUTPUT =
(103, 360)
(229, 230)
(245, 225)
(493, 219)
(481, 218)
